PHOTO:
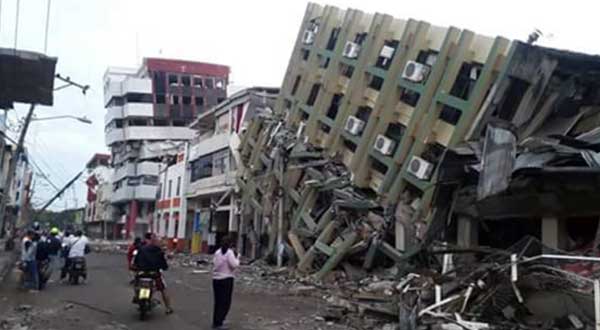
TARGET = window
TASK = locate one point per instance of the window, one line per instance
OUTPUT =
(376, 83)
(178, 192)
(150, 180)
(305, 53)
(336, 100)
(173, 80)
(116, 101)
(160, 99)
(347, 70)
(202, 168)
(161, 122)
(160, 82)
(199, 100)
(220, 161)
(134, 181)
(198, 82)
(363, 113)
(139, 98)
(333, 38)
(185, 80)
(118, 123)
(187, 100)
(209, 83)
(174, 99)
(159, 190)
(409, 97)
(450, 115)
(296, 84)
(314, 93)
(220, 84)
(170, 186)
(386, 54)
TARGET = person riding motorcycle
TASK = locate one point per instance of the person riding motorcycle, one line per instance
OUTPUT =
(150, 261)
(78, 248)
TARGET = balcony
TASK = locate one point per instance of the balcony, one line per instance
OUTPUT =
(129, 110)
(129, 169)
(209, 145)
(211, 185)
(144, 193)
(126, 86)
(148, 133)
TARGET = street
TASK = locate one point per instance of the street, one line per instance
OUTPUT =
(105, 303)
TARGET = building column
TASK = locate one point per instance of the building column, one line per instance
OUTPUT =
(554, 233)
(467, 232)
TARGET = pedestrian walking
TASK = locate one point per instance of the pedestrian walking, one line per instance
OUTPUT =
(28, 260)
(54, 251)
(225, 262)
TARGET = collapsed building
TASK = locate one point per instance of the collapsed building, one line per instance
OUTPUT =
(392, 139)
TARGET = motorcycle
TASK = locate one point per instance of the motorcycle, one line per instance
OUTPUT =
(144, 292)
(76, 270)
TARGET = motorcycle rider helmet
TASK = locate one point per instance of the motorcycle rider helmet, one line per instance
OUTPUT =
(54, 231)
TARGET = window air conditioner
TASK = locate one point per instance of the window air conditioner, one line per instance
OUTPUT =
(420, 168)
(384, 145)
(351, 50)
(387, 52)
(308, 37)
(415, 71)
(354, 125)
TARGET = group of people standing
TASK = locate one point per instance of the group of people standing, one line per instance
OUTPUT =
(44, 252)
(148, 256)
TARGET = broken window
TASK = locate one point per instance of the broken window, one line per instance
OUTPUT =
(160, 99)
(186, 81)
(336, 101)
(395, 131)
(376, 83)
(465, 80)
(160, 82)
(304, 54)
(346, 70)
(378, 166)
(323, 61)
(350, 145)
(209, 83)
(198, 82)
(199, 101)
(296, 84)
(360, 38)
(450, 115)
(386, 55)
(363, 113)
(333, 38)
(314, 93)
(409, 97)
(512, 98)
(187, 100)
(173, 80)
(161, 122)
(202, 168)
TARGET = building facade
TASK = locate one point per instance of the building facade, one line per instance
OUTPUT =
(198, 204)
(147, 113)
(98, 218)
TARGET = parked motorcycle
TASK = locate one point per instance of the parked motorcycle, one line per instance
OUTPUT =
(144, 292)
(76, 270)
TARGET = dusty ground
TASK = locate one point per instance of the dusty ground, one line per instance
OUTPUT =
(105, 303)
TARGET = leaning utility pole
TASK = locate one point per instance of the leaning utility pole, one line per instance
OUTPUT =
(11, 173)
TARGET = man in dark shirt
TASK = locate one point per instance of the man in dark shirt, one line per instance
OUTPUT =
(150, 258)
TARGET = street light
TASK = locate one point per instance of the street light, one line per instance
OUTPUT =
(81, 119)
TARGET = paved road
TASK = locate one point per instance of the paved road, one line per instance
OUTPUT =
(107, 298)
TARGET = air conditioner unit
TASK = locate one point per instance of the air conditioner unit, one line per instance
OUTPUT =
(308, 37)
(384, 145)
(415, 71)
(351, 50)
(387, 52)
(420, 168)
(354, 125)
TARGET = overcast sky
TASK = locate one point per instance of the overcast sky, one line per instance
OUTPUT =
(254, 38)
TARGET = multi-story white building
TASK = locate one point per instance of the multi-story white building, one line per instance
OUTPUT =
(197, 207)
(147, 113)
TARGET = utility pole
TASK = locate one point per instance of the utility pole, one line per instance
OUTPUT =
(11, 173)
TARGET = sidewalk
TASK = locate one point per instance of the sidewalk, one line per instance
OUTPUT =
(7, 260)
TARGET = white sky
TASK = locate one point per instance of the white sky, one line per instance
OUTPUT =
(254, 38)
